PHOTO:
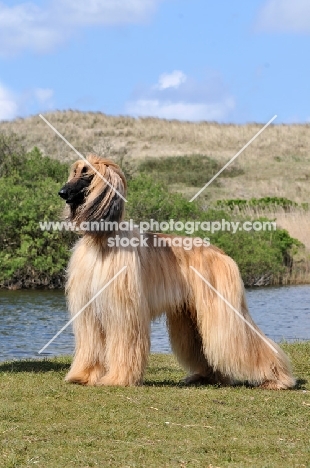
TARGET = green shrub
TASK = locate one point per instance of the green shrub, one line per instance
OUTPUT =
(29, 194)
(148, 199)
(12, 154)
(194, 170)
(24, 248)
(259, 203)
(30, 167)
(36, 167)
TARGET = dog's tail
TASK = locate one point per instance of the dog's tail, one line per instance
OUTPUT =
(232, 343)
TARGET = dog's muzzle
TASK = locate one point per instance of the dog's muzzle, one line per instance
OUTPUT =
(63, 193)
(74, 191)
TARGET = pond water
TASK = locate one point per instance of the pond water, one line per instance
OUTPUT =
(29, 319)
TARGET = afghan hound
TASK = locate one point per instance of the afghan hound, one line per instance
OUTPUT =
(211, 331)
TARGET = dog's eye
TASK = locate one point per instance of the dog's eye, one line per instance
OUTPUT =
(84, 170)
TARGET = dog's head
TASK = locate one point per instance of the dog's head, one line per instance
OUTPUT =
(95, 191)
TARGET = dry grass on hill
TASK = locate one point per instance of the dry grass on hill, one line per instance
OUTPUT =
(277, 163)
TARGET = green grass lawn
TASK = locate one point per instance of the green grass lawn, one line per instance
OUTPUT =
(47, 423)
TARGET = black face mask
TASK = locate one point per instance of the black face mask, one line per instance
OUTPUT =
(74, 191)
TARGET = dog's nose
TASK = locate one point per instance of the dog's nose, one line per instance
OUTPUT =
(63, 193)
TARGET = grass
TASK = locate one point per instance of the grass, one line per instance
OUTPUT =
(48, 423)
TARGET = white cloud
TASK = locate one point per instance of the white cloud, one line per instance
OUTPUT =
(284, 16)
(26, 26)
(30, 101)
(41, 29)
(171, 80)
(106, 11)
(181, 110)
(177, 96)
(8, 105)
(43, 95)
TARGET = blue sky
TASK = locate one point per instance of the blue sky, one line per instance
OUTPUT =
(187, 59)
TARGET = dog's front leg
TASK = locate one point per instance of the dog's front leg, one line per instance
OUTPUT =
(88, 363)
(126, 352)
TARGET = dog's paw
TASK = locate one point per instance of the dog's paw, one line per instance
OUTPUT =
(213, 378)
(117, 380)
(274, 385)
(81, 378)
(86, 377)
(194, 379)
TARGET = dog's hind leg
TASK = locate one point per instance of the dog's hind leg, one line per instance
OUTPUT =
(187, 345)
(88, 364)
(232, 343)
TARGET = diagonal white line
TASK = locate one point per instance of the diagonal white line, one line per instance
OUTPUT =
(81, 156)
(232, 159)
(235, 310)
(83, 308)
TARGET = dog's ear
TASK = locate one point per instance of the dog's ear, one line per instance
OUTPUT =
(116, 209)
